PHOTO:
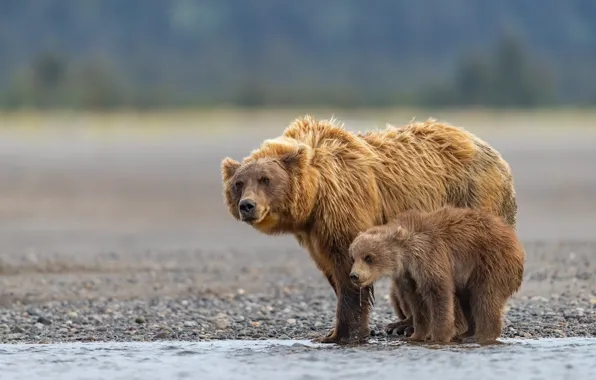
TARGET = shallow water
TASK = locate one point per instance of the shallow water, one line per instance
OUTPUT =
(515, 359)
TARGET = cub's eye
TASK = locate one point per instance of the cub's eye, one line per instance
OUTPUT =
(238, 184)
(264, 180)
(368, 259)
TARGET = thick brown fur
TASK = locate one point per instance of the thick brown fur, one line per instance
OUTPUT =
(400, 293)
(442, 253)
(324, 185)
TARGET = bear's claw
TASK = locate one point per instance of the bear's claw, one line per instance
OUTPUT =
(332, 337)
(399, 328)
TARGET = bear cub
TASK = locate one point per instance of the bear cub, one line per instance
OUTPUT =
(446, 255)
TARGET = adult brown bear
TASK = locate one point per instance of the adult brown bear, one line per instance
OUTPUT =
(324, 185)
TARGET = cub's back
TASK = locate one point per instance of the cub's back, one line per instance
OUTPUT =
(477, 240)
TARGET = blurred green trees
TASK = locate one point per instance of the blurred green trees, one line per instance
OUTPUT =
(147, 53)
(505, 77)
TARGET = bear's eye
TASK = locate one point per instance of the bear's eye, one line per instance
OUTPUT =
(238, 184)
(368, 259)
(264, 180)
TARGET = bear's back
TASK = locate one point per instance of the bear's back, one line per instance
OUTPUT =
(476, 239)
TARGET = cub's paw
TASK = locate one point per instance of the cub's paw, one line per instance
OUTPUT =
(399, 328)
(409, 331)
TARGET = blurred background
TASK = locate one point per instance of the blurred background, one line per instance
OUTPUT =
(115, 115)
(106, 54)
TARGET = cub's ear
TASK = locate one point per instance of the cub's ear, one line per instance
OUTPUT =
(299, 158)
(228, 168)
(400, 232)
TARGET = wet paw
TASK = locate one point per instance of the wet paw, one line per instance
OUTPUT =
(360, 337)
(329, 338)
(418, 337)
(399, 328)
(326, 339)
(465, 339)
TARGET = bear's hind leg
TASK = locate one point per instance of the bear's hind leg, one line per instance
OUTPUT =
(461, 322)
(487, 312)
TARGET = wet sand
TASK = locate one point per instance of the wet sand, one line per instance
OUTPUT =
(128, 240)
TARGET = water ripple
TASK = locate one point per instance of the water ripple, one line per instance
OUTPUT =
(516, 359)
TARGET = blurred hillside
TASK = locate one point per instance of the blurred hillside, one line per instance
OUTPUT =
(149, 53)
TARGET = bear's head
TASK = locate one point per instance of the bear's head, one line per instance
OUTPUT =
(377, 252)
(274, 188)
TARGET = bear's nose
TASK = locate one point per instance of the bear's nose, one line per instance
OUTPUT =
(353, 276)
(246, 206)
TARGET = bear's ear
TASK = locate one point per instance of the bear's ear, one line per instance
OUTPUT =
(296, 159)
(400, 232)
(228, 168)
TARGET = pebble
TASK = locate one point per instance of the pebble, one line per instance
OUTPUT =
(291, 321)
(221, 321)
(44, 321)
(139, 320)
(190, 323)
(162, 335)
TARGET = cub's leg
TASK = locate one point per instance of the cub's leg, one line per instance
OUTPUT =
(439, 295)
(420, 317)
(487, 310)
(401, 307)
(461, 322)
(467, 319)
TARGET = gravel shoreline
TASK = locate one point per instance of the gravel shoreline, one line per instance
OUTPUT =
(292, 316)
(129, 241)
(79, 214)
(558, 299)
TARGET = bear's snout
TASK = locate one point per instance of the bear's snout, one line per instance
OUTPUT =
(354, 277)
(247, 208)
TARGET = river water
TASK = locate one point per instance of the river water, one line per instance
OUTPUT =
(570, 358)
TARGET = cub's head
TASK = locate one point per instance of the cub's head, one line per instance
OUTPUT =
(271, 189)
(376, 253)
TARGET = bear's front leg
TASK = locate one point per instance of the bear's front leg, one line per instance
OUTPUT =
(332, 283)
(351, 321)
(400, 288)
(334, 287)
